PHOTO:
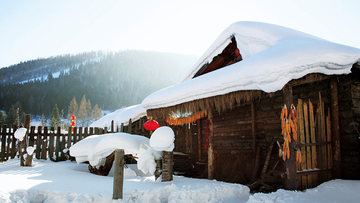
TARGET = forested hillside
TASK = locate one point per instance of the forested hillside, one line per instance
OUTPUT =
(111, 80)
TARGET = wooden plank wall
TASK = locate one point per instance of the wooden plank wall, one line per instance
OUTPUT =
(349, 112)
(53, 143)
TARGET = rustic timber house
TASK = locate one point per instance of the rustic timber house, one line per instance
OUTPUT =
(226, 113)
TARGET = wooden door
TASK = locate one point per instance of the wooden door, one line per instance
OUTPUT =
(314, 143)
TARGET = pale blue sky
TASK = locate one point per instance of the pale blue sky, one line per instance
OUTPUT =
(42, 28)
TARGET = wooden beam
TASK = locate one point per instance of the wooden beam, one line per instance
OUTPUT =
(253, 126)
(300, 113)
(118, 183)
(211, 158)
(199, 138)
(314, 163)
(28, 159)
(310, 78)
(335, 124)
(291, 181)
(167, 164)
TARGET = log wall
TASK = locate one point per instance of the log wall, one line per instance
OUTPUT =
(349, 110)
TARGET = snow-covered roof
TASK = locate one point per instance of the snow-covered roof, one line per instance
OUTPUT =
(272, 56)
(121, 116)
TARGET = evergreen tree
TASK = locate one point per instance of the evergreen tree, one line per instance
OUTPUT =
(11, 118)
(43, 120)
(83, 111)
(55, 117)
(2, 117)
(73, 108)
(96, 113)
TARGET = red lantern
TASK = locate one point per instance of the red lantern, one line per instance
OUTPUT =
(73, 123)
(73, 117)
(237, 52)
(151, 125)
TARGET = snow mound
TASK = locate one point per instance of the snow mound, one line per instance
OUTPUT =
(162, 139)
(146, 162)
(20, 133)
(120, 116)
(272, 56)
(96, 148)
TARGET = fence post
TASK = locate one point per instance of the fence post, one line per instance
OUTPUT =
(167, 161)
(28, 160)
(118, 174)
(13, 144)
(112, 126)
(44, 145)
(158, 169)
(38, 142)
(2, 153)
(130, 126)
(122, 127)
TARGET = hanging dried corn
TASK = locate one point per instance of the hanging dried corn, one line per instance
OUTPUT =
(288, 128)
(186, 120)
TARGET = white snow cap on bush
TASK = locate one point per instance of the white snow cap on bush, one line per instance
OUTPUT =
(20, 133)
(162, 139)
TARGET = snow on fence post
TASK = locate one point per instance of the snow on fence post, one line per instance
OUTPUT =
(28, 149)
(118, 174)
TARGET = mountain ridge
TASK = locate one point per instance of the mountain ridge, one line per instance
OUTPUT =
(111, 80)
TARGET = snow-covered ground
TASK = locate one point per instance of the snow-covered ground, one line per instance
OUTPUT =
(67, 181)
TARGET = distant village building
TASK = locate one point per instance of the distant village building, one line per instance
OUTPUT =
(226, 114)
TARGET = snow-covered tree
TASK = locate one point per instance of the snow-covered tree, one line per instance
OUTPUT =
(2, 117)
(88, 111)
(83, 111)
(43, 120)
(96, 112)
(73, 108)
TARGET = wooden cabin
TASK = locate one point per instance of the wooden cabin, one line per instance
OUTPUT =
(236, 136)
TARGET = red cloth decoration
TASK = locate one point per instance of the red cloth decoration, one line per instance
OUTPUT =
(237, 52)
(151, 125)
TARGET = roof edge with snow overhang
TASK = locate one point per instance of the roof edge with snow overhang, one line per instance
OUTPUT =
(272, 56)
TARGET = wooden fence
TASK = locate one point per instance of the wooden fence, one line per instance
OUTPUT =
(53, 144)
